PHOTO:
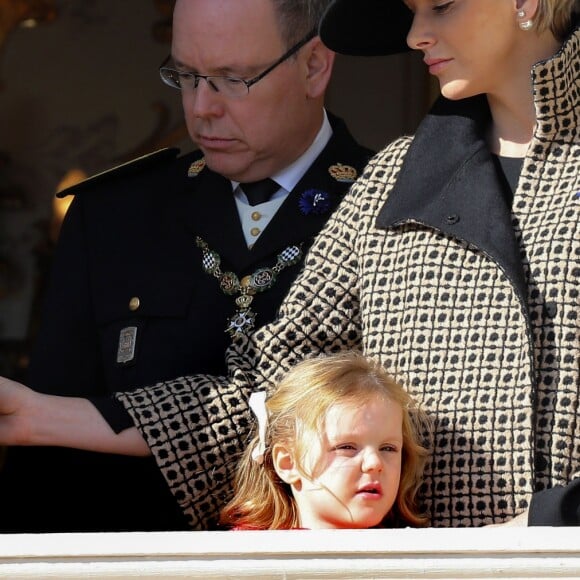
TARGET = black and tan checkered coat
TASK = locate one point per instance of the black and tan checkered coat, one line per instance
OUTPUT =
(475, 309)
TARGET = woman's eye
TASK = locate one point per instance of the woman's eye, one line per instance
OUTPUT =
(442, 8)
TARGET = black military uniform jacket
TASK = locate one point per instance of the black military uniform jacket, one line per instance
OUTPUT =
(127, 259)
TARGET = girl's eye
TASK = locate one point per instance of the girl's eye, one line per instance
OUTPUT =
(389, 448)
(344, 447)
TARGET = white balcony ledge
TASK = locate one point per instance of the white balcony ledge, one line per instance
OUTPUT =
(442, 553)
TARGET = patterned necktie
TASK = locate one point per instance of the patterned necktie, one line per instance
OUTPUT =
(259, 191)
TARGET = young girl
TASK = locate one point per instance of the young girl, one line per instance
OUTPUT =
(336, 446)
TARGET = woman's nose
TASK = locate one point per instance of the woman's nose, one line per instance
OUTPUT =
(420, 35)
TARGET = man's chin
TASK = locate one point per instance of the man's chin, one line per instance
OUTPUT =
(237, 167)
(225, 164)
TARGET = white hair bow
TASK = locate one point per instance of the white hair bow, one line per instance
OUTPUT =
(257, 404)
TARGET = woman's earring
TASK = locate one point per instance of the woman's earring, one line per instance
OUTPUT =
(525, 24)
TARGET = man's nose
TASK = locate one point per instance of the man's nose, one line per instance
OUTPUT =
(203, 100)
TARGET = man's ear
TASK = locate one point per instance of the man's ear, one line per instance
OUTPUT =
(285, 464)
(319, 64)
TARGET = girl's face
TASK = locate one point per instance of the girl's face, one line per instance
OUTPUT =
(471, 46)
(355, 467)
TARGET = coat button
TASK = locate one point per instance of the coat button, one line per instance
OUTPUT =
(452, 219)
(134, 304)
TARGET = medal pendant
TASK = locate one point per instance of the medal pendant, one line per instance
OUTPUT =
(244, 319)
(242, 322)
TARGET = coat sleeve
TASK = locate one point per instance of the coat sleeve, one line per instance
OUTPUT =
(197, 426)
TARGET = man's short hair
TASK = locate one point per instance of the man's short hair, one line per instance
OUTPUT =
(297, 18)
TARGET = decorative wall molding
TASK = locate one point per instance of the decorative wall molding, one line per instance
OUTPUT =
(291, 555)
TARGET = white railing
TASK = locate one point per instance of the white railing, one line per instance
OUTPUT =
(443, 553)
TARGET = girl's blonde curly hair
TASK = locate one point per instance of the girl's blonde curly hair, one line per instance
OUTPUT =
(297, 411)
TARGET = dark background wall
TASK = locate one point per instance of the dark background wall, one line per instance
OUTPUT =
(80, 93)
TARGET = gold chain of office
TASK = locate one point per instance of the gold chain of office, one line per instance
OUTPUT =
(244, 319)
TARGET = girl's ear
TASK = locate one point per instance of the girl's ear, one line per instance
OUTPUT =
(285, 464)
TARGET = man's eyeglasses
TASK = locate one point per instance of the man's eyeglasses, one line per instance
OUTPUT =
(228, 86)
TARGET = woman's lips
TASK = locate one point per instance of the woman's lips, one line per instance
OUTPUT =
(436, 65)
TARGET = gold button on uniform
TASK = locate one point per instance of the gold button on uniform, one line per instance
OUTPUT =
(134, 304)
(256, 215)
(255, 231)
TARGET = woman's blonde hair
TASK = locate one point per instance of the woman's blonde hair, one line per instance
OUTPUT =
(298, 407)
(558, 16)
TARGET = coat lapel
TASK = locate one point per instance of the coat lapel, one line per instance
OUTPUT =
(457, 190)
(206, 207)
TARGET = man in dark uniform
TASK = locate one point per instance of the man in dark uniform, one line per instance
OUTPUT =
(162, 261)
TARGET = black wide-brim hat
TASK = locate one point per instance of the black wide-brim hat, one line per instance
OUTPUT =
(366, 27)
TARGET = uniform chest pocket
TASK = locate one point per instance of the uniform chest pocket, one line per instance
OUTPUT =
(126, 318)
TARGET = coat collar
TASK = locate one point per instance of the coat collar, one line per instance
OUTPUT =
(448, 180)
(457, 190)
(556, 87)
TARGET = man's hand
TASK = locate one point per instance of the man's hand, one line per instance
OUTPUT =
(31, 418)
(16, 409)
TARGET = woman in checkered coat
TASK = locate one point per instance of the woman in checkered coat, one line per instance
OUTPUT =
(454, 261)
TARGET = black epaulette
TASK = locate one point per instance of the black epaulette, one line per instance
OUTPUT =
(169, 153)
